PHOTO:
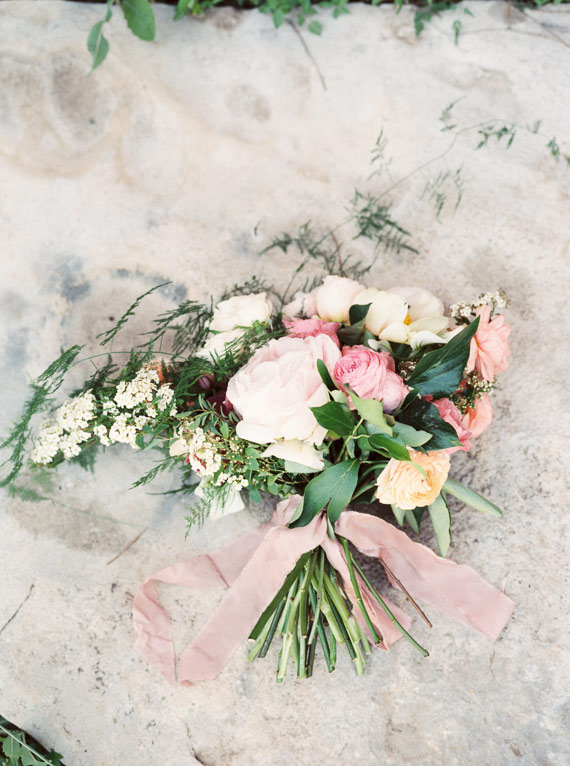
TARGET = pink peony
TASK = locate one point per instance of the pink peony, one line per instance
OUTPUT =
(370, 375)
(310, 328)
(480, 417)
(451, 415)
(274, 391)
(490, 346)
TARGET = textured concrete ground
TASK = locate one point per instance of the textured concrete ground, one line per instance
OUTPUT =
(182, 159)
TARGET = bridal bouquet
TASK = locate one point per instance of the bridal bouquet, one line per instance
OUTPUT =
(348, 394)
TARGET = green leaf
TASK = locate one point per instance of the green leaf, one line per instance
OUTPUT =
(181, 8)
(392, 446)
(140, 18)
(471, 498)
(413, 519)
(12, 748)
(97, 44)
(441, 520)
(439, 372)
(254, 495)
(335, 417)
(325, 375)
(399, 513)
(424, 416)
(334, 488)
(357, 314)
(315, 27)
(372, 411)
(409, 435)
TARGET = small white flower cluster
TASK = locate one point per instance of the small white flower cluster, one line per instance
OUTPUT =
(140, 389)
(67, 431)
(205, 455)
(72, 425)
(462, 310)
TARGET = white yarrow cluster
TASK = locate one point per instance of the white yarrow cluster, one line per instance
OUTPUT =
(140, 389)
(205, 452)
(67, 431)
(135, 404)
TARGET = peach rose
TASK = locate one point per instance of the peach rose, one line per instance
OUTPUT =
(479, 418)
(451, 415)
(401, 484)
(371, 375)
(307, 328)
(490, 345)
(274, 391)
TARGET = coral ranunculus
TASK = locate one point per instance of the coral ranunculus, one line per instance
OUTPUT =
(401, 484)
(370, 375)
(490, 347)
(480, 417)
(274, 391)
(451, 415)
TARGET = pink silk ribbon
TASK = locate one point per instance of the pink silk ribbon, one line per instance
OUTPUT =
(254, 567)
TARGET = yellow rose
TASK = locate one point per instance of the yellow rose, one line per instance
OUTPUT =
(401, 484)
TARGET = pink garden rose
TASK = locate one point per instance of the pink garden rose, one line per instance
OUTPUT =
(310, 328)
(490, 346)
(371, 375)
(480, 417)
(274, 391)
(451, 415)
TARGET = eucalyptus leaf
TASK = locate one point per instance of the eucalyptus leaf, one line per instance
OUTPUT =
(333, 489)
(140, 18)
(325, 375)
(97, 44)
(439, 372)
(399, 513)
(441, 520)
(372, 411)
(393, 447)
(335, 417)
(471, 498)
(410, 517)
(410, 435)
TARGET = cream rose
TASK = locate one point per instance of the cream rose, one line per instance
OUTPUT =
(335, 297)
(421, 303)
(241, 311)
(274, 391)
(401, 484)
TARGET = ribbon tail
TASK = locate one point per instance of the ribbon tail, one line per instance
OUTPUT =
(154, 640)
(245, 601)
(455, 589)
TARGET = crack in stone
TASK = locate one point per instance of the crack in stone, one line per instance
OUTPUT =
(13, 617)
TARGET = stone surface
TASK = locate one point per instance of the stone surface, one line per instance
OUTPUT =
(181, 160)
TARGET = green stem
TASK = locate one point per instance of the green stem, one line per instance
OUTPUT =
(259, 641)
(358, 594)
(393, 620)
(321, 634)
(346, 638)
(272, 629)
(310, 659)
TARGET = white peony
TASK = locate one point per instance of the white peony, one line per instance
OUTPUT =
(216, 344)
(335, 297)
(241, 311)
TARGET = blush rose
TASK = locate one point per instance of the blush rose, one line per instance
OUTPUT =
(371, 375)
